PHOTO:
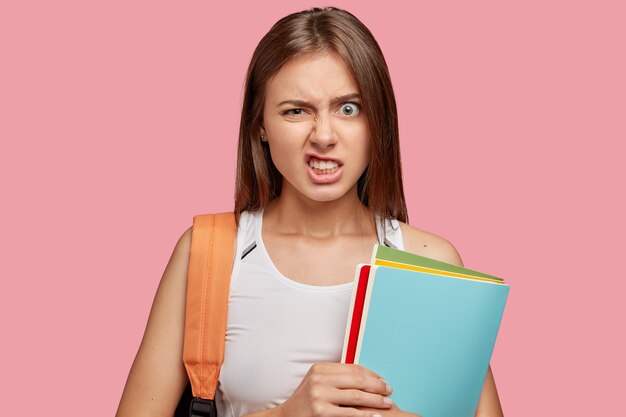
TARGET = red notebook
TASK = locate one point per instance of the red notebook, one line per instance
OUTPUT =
(352, 335)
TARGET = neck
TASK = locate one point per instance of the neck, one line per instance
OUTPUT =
(298, 215)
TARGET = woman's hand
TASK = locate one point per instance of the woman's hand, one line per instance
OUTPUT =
(394, 411)
(334, 389)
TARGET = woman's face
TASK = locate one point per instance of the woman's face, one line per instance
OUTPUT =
(317, 134)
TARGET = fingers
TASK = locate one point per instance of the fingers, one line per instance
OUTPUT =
(351, 377)
(330, 389)
(358, 398)
(355, 412)
(393, 411)
(349, 385)
(367, 384)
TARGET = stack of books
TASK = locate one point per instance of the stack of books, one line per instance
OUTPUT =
(427, 327)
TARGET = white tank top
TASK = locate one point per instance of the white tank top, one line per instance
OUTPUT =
(277, 328)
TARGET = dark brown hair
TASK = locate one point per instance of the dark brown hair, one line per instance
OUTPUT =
(339, 32)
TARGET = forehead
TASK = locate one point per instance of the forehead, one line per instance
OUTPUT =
(313, 77)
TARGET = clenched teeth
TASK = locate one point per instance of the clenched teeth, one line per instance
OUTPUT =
(316, 164)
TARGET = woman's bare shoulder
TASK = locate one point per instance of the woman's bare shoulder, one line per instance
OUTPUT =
(157, 377)
(183, 246)
(423, 243)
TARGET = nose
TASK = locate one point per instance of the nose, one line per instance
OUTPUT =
(323, 134)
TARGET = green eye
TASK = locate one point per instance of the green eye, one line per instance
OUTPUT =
(349, 109)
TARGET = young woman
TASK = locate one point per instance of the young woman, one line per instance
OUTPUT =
(318, 183)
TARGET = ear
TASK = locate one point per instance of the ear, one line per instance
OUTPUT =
(263, 135)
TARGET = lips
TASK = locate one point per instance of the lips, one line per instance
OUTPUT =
(324, 170)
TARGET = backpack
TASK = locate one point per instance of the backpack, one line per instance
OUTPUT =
(208, 284)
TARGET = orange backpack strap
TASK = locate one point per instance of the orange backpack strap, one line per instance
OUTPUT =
(208, 285)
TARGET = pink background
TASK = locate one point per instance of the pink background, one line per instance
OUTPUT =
(118, 122)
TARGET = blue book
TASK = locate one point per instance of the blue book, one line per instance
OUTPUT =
(430, 337)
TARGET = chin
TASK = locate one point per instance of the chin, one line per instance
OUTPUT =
(326, 196)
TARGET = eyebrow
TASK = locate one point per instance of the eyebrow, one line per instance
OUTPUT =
(304, 103)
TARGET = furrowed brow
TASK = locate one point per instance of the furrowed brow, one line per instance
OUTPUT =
(303, 103)
(297, 103)
(347, 97)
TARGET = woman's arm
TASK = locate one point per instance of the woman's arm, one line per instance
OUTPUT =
(489, 402)
(157, 377)
(431, 246)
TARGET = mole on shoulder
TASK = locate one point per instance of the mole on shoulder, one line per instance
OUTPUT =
(425, 245)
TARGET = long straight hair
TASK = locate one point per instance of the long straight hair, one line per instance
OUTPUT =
(322, 30)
